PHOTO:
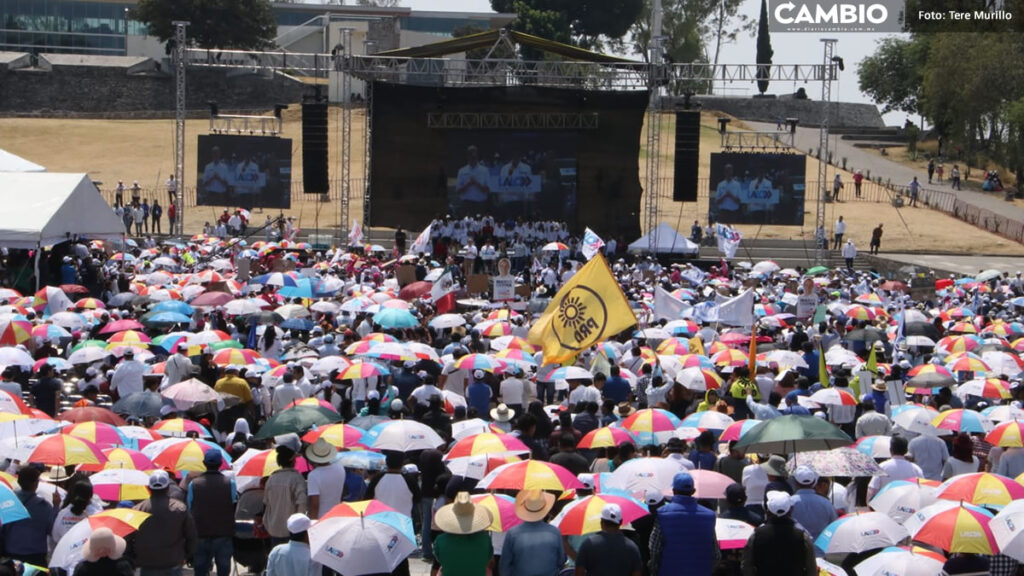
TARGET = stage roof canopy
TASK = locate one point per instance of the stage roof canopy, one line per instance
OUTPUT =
(46, 208)
(491, 37)
(668, 242)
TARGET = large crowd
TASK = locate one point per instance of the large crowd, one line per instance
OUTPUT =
(212, 402)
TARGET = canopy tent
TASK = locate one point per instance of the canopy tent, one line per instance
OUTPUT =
(12, 163)
(668, 242)
(44, 209)
(490, 37)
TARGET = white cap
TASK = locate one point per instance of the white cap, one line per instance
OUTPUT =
(805, 476)
(778, 503)
(587, 480)
(396, 405)
(653, 497)
(373, 395)
(298, 523)
(611, 513)
(478, 374)
(410, 469)
(159, 480)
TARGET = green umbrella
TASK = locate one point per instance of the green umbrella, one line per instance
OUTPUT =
(226, 344)
(84, 343)
(793, 433)
(817, 270)
(297, 419)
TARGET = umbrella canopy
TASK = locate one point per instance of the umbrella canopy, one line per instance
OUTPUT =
(652, 425)
(738, 429)
(188, 393)
(121, 521)
(179, 428)
(954, 527)
(1007, 529)
(61, 450)
(100, 433)
(298, 419)
(11, 508)
(708, 420)
(487, 443)
(639, 475)
(793, 433)
(366, 537)
(117, 484)
(1007, 435)
(732, 534)
(860, 532)
(962, 420)
(981, 489)
(395, 318)
(121, 458)
(183, 454)
(529, 475)
(584, 515)
(902, 561)
(605, 437)
(502, 508)
(141, 405)
(337, 435)
(901, 499)
(845, 461)
(406, 436)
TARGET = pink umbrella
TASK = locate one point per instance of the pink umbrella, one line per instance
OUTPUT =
(709, 484)
(121, 325)
(211, 299)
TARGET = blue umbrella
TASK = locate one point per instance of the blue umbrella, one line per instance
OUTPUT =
(274, 279)
(174, 306)
(395, 318)
(303, 289)
(11, 508)
(300, 324)
(362, 460)
(168, 318)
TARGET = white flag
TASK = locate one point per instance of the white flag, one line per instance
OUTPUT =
(592, 244)
(737, 311)
(422, 243)
(728, 240)
(355, 236)
(666, 305)
(693, 275)
(444, 285)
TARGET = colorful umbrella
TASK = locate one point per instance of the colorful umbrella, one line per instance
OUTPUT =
(860, 532)
(230, 356)
(360, 370)
(901, 499)
(954, 527)
(962, 420)
(364, 537)
(502, 508)
(605, 437)
(117, 484)
(902, 561)
(674, 346)
(92, 414)
(985, 388)
(584, 515)
(930, 375)
(737, 429)
(395, 318)
(62, 450)
(298, 419)
(263, 463)
(472, 362)
(732, 534)
(699, 379)
(183, 454)
(730, 357)
(118, 458)
(494, 444)
(964, 363)
(100, 433)
(652, 425)
(1007, 435)
(981, 489)
(528, 475)
(874, 446)
(121, 521)
(14, 332)
(1003, 413)
(11, 508)
(708, 420)
(180, 428)
(337, 435)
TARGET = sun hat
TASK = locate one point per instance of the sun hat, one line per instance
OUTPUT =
(533, 505)
(502, 413)
(775, 466)
(612, 513)
(462, 516)
(103, 543)
(624, 409)
(298, 523)
(805, 476)
(320, 452)
(778, 503)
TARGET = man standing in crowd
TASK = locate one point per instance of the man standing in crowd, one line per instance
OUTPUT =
(683, 540)
(211, 499)
(168, 537)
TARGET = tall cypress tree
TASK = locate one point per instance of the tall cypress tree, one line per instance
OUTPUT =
(764, 49)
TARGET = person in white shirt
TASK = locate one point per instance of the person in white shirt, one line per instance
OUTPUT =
(469, 258)
(896, 468)
(216, 175)
(326, 481)
(488, 254)
(177, 368)
(513, 391)
(422, 393)
(286, 393)
(727, 197)
(127, 378)
(172, 189)
(454, 380)
(849, 254)
(584, 392)
(838, 229)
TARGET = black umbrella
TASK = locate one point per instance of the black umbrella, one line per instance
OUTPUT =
(868, 334)
(921, 329)
(144, 404)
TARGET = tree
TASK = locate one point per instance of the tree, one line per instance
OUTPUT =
(894, 75)
(587, 23)
(682, 38)
(764, 49)
(379, 3)
(239, 24)
(724, 25)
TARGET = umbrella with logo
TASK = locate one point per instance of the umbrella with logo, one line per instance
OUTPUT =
(405, 436)
(902, 561)
(874, 446)
(529, 475)
(117, 484)
(1008, 528)
(732, 534)
(366, 537)
(708, 420)
(11, 508)
(121, 521)
(487, 443)
(954, 527)
(901, 499)
(639, 475)
(859, 532)
(981, 489)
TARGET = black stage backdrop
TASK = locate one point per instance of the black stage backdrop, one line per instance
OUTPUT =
(587, 176)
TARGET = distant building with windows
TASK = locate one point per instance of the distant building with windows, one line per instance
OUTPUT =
(105, 28)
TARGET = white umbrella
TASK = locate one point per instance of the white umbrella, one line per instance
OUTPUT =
(834, 397)
(474, 467)
(328, 363)
(916, 340)
(641, 474)
(786, 359)
(692, 378)
(244, 307)
(859, 532)
(326, 307)
(357, 545)
(204, 337)
(838, 355)
(158, 278)
(1008, 529)
(88, 355)
(895, 561)
(467, 428)
(447, 321)
(1001, 363)
(406, 436)
(1004, 413)
(655, 334)
(901, 499)
(986, 275)
(732, 534)
(12, 356)
(764, 268)
(292, 311)
(69, 320)
(188, 393)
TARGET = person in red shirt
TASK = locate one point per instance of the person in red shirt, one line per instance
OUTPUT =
(858, 177)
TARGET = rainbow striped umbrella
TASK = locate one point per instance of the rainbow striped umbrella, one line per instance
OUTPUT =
(59, 364)
(981, 489)
(859, 312)
(502, 508)
(14, 332)
(503, 314)
(100, 433)
(1004, 329)
(737, 429)
(262, 463)
(313, 402)
(930, 375)
(696, 361)
(359, 370)
(985, 388)
(179, 428)
(530, 475)
(963, 420)
(472, 362)
(128, 338)
(954, 527)
(699, 379)
(360, 348)
(337, 435)
(180, 454)
(959, 343)
(605, 437)
(834, 397)
(62, 450)
(516, 356)
(674, 346)
(584, 516)
(90, 304)
(117, 484)
(122, 458)
(963, 328)
(241, 356)
(494, 329)
(730, 357)
(869, 298)
(487, 443)
(378, 337)
(1007, 435)
(966, 362)
(652, 426)
(956, 312)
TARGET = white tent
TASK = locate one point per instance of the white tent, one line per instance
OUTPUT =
(12, 163)
(46, 208)
(664, 240)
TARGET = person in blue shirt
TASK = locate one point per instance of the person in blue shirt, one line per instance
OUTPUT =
(703, 457)
(533, 548)
(810, 355)
(26, 539)
(813, 511)
(683, 540)
(68, 272)
(478, 394)
(616, 387)
(293, 558)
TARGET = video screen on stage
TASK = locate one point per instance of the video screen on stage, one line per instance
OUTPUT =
(244, 171)
(748, 188)
(511, 175)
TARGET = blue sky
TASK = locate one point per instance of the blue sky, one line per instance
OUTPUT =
(792, 48)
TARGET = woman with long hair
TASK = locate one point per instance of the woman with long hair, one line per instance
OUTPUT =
(77, 506)
(962, 460)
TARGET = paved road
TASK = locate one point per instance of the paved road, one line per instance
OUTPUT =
(865, 160)
(959, 264)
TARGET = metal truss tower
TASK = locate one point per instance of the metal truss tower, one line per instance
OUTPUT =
(179, 124)
(828, 74)
(651, 189)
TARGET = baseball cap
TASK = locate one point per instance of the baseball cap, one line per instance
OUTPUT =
(587, 480)
(298, 523)
(653, 497)
(735, 493)
(612, 513)
(478, 374)
(683, 483)
(159, 480)
(213, 458)
(804, 476)
(373, 395)
(396, 405)
(778, 503)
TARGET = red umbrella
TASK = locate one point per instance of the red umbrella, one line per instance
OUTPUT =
(208, 299)
(74, 289)
(92, 414)
(943, 283)
(894, 285)
(120, 325)
(415, 290)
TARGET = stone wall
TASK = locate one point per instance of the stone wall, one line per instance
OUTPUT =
(844, 114)
(97, 91)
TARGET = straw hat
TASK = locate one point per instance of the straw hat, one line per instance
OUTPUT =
(103, 543)
(462, 516)
(533, 505)
(624, 409)
(502, 413)
(320, 452)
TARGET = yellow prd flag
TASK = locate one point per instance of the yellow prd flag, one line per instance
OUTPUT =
(697, 346)
(822, 369)
(752, 361)
(589, 308)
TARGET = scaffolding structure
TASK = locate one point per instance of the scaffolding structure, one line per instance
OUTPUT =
(180, 39)
(828, 69)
